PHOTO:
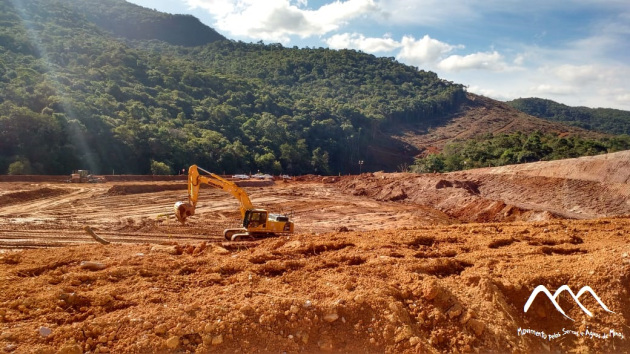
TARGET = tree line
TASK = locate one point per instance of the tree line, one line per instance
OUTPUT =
(507, 149)
(605, 120)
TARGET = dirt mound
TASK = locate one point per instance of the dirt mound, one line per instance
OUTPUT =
(607, 168)
(33, 178)
(138, 178)
(451, 288)
(26, 196)
(307, 178)
(539, 191)
(125, 189)
(570, 198)
(459, 198)
(255, 183)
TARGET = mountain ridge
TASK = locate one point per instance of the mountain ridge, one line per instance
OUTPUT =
(140, 23)
(75, 95)
(606, 120)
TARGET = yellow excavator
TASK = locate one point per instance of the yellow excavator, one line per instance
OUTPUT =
(257, 223)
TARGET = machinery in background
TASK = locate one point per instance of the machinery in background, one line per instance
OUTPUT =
(84, 176)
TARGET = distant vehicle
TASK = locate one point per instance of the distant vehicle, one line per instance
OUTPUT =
(285, 177)
(261, 176)
(240, 176)
(84, 176)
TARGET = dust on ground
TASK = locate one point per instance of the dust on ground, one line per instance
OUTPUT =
(379, 263)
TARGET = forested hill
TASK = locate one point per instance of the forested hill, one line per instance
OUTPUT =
(135, 22)
(72, 95)
(606, 120)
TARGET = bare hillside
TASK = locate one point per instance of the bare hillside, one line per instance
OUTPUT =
(479, 116)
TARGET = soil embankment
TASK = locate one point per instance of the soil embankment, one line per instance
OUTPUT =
(583, 188)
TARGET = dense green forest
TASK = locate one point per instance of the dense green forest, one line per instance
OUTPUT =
(515, 148)
(135, 22)
(605, 120)
(75, 95)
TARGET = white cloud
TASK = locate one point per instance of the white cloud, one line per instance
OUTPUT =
(488, 92)
(360, 42)
(623, 99)
(219, 8)
(545, 89)
(577, 74)
(427, 12)
(480, 61)
(424, 51)
(277, 20)
(519, 60)
(427, 52)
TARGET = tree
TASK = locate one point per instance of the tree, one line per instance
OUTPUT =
(294, 156)
(160, 168)
(20, 167)
(265, 162)
(319, 161)
(431, 163)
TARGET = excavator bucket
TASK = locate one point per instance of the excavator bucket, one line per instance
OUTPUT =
(183, 210)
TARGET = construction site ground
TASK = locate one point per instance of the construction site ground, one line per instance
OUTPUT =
(379, 263)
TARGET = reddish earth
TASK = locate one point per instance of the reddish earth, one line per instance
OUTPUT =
(379, 263)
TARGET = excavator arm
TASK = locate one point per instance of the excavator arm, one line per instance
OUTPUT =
(184, 210)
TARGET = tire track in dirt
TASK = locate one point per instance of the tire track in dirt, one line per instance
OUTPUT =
(42, 238)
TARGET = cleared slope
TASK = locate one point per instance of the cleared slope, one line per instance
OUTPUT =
(480, 116)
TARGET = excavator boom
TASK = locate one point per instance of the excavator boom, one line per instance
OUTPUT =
(184, 210)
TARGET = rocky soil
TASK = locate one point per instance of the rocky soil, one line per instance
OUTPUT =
(379, 263)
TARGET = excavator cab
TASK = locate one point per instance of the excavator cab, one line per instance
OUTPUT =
(255, 218)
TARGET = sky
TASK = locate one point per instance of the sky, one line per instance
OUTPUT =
(575, 52)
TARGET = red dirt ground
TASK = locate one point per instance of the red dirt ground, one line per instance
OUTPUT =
(379, 263)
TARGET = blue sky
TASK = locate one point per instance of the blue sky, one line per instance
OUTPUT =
(576, 52)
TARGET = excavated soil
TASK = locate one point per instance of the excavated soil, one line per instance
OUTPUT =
(379, 263)
(26, 196)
